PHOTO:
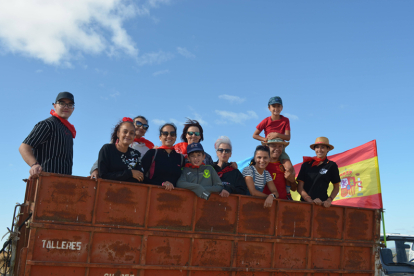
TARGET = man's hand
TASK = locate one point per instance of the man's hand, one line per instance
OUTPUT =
(317, 201)
(138, 175)
(269, 201)
(94, 175)
(34, 170)
(224, 193)
(327, 203)
(234, 165)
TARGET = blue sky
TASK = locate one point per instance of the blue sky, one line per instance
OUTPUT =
(344, 70)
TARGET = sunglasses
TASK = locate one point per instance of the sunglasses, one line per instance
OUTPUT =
(191, 133)
(172, 133)
(225, 150)
(144, 126)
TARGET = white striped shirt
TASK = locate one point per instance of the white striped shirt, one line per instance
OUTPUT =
(52, 145)
(259, 179)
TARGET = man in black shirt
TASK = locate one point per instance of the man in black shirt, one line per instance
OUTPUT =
(49, 147)
(316, 173)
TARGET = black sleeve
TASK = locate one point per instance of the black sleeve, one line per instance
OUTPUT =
(208, 160)
(302, 173)
(40, 133)
(146, 160)
(335, 178)
(104, 165)
(240, 185)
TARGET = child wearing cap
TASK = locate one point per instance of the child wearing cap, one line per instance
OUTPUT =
(276, 126)
(200, 178)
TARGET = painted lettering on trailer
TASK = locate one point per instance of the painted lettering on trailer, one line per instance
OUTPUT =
(62, 245)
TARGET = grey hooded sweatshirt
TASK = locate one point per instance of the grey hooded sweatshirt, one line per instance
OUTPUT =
(201, 180)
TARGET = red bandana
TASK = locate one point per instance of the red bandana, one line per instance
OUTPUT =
(315, 160)
(166, 147)
(147, 143)
(223, 171)
(65, 122)
(181, 148)
(189, 165)
(127, 119)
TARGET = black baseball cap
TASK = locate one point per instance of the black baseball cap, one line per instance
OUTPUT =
(65, 95)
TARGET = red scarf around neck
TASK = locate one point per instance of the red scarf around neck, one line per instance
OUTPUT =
(65, 122)
(166, 147)
(147, 143)
(189, 165)
(315, 160)
(181, 148)
(223, 171)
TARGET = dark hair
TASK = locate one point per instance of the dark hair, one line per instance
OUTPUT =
(168, 124)
(187, 125)
(140, 117)
(259, 148)
(114, 135)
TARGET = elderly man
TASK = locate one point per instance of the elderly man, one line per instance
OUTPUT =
(49, 147)
(284, 180)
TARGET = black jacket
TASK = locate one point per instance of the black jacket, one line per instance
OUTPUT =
(167, 167)
(233, 181)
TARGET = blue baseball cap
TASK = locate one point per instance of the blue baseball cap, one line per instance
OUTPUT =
(275, 100)
(194, 147)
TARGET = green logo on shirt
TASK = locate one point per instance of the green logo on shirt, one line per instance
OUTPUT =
(206, 174)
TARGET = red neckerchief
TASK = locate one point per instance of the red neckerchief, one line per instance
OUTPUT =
(147, 143)
(65, 122)
(166, 147)
(189, 165)
(181, 148)
(223, 171)
(315, 160)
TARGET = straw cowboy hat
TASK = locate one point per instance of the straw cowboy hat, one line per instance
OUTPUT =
(322, 141)
(277, 141)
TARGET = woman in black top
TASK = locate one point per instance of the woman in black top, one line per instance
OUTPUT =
(232, 179)
(316, 173)
(162, 166)
(117, 161)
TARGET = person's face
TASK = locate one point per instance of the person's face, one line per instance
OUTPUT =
(140, 130)
(262, 159)
(126, 134)
(275, 109)
(196, 158)
(275, 150)
(193, 138)
(168, 139)
(62, 108)
(321, 151)
(222, 154)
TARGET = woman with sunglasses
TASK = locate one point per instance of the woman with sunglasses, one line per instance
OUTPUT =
(162, 166)
(192, 133)
(232, 179)
(140, 143)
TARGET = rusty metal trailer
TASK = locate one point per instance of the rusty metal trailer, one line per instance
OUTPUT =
(81, 227)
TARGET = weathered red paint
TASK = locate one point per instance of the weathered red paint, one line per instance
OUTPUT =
(107, 228)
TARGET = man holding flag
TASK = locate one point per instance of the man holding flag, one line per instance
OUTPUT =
(316, 173)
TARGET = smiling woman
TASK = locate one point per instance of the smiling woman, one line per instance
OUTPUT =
(117, 161)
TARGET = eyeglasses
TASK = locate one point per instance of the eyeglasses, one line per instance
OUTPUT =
(139, 124)
(166, 133)
(191, 133)
(225, 150)
(68, 105)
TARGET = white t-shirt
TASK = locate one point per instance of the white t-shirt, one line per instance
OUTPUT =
(141, 147)
(260, 180)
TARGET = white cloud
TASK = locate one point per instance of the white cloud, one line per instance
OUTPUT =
(291, 116)
(184, 52)
(116, 94)
(232, 99)
(199, 118)
(154, 58)
(237, 118)
(158, 122)
(160, 72)
(59, 31)
(176, 122)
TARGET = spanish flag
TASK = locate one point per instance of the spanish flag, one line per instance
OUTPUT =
(360, 181)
